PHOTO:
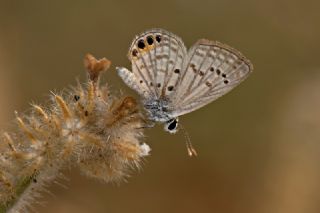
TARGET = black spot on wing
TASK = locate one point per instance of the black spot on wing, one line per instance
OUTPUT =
(170, 88)
(158, 38)
(150, 40)
(141, 44)
(134, 52)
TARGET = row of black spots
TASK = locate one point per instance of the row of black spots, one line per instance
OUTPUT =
(193, 66)
(170, 88)
(218, 71)
(151, 84)
(225, 76)
(142, 43)
(149, 40)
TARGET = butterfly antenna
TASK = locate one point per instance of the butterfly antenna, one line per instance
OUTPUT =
(190, 149)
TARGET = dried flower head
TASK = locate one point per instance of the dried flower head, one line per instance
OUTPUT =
(87, 127)
(95, 67)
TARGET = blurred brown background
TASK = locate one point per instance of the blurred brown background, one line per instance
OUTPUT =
(259, 146)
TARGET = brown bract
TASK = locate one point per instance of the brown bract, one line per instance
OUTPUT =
(95, 67)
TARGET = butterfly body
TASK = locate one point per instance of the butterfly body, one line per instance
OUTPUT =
(158, 109)
(173, 81)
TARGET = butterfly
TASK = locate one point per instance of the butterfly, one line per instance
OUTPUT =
(173, 81)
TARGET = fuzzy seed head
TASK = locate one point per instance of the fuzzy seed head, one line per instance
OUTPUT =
(86, 127)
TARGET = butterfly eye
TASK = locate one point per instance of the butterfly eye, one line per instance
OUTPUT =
(158, 38)
(150, 40)
(141, 44)
(172, 126)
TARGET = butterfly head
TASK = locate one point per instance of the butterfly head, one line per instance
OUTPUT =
(171, 125)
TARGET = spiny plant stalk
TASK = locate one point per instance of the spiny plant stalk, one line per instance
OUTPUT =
(87, 127)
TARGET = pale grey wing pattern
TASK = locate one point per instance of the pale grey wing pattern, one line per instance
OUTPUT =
(211, 69)
(130, 79)
(156, 56)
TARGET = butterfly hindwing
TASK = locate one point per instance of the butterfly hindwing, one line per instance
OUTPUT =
(211, 69)
(156, 56)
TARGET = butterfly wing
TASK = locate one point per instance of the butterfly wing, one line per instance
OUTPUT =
(133, 82)
(210, 70)
(156, 56)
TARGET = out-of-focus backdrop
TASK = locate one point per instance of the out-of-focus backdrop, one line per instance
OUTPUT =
(259, 146)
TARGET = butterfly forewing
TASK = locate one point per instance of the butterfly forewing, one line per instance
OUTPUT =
(156, 56)
(211, 69)
(133, 82)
